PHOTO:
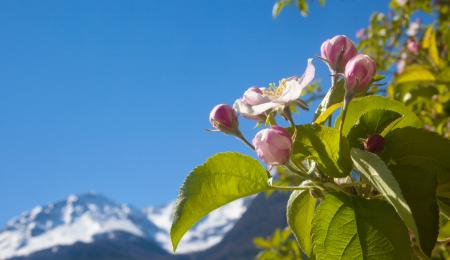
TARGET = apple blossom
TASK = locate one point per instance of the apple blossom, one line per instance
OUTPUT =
(413, 46)
(338, 51)
(359, 72)
(289, 91)
(224, 118)
(252, 97)
(273, 145)
(413, 28)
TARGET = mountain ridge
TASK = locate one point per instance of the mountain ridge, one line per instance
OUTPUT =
(90, 217)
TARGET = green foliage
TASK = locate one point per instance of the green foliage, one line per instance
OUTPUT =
(277, 246)
(322, 145)
(360, 106)
(222, 179)
(378, 174)
(416, 74)
(375, 121)
(302, 6)
(364, 215)
(334, 96)
(416, 158)
(300, 212)
(422, 150)
(355, 228)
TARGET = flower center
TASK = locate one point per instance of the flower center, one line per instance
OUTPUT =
(273, 93)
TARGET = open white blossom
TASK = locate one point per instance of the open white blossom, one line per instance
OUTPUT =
(288, 91)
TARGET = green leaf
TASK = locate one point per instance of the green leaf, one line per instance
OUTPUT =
(371, 122)
(360, 106)
(378, 174)
(444, 207)
(420, 148)
(302, 7)
(419, 189)
(418, 159)
(322, 145)
(334, 96)
(415, 74)
(223, 178)
(444, 75)
(300, 212)
(426, 41)
(429, 42)
(279, 6)
(327, 113)
(355, 228)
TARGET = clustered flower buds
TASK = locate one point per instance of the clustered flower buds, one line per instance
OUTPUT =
(224, 118)
(359, 72)
(273, 145)
(374, 144)
(338, 51)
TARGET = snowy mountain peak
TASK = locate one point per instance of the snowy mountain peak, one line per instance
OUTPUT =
(87, 217)
(75, 219)
(205, 234)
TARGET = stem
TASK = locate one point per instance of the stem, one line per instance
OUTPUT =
(296, 171)
(288, 115)
(288, 188)
(347, 98)
(241, 137)
(330, 120)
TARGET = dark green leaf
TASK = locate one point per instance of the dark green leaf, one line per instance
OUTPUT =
(300, 211)
(415, 157)
(322, 145)
(420, 148)
(355, 228)
(222, 179)
(378, 174)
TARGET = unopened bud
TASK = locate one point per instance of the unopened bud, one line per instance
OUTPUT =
(374, 144)
(359, 72)
(273, 145)
(338, 51)
(224, 118)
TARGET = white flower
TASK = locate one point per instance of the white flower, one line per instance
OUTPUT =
(288, 91)
(413, 28)
(401, 2)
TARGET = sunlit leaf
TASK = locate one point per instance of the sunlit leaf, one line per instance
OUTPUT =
(223, 178)
(322, 145)
(355, 228)
(300, 212)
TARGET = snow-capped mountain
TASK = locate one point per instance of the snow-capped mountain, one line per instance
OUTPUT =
(208, 232)
(87, 217)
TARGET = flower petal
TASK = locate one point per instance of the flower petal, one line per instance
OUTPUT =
(295, 86)
(259, 109)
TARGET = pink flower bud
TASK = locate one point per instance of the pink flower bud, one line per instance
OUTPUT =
(359, 72)
(338, 51)
(224, 118)
(413, 46)
(374, 143)
(273, 145)
(254, 96)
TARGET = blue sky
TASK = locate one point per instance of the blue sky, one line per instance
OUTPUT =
(113, 96)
